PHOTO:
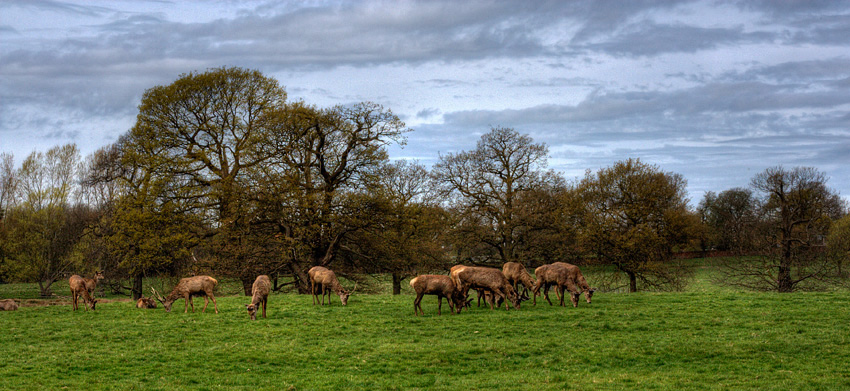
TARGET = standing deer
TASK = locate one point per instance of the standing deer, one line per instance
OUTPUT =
(91, 283)
(486, 278)
(190, 287)
(8, 305)
(79, 288)
(441, 286)
(516, 274)
(574, 275)
(259, 295)
(325, 280)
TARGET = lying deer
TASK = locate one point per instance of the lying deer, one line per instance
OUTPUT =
(190, 287)
(145, 303)
(466, 277)
(8, 305)
(325, 280)
(79, 288)
(259, 295)
(441, 286)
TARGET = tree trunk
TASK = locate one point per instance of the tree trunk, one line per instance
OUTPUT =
(397, 279)
(137, 287)
(45, 289)
(302, 281)
(247, 285)
(632, 282)
(783, 279)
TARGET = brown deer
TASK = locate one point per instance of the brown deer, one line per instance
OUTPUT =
(79, 288)
(574, 275)
(259, 296)
(441, 286)
(466, 277)
(146, 303)
(516, 274)
(325, 281)
(186, 289)
(91, 283)
(8, 305)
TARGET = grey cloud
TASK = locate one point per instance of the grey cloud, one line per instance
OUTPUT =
(649, 39)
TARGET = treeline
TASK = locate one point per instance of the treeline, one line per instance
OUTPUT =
(222, 174)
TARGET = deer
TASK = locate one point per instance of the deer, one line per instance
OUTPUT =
(574, 275)
(146, 303)
(516, 274)
(186, 289)
(439, 285)
(91, 283)
(325, 280)
(259, 296)
(80, 288)
(466, 277)
(8, 305)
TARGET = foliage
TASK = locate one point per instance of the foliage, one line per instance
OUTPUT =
(838, 245)
(635, 214)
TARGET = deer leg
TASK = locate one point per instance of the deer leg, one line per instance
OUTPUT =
(74, 300)
(206, 303)
(313, 292)
(439, 305)
(188, 301)
(265, 301)
(560, 293)
(416, 304)
(546, 293)
(215, 305)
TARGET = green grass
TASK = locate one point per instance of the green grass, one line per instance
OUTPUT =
(700, 339)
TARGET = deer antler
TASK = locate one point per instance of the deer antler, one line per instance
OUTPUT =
(158, 297)
(355, 287)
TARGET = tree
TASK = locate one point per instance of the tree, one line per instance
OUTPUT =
(731, 217)
(838, 245)
(486, 186)
(199, 138)
(796, 210)
(408, 235)
(45, 225)
(635, 214)
(317, 192)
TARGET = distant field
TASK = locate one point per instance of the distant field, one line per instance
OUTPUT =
(704, 338)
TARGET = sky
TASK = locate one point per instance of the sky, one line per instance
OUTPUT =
(716, 91)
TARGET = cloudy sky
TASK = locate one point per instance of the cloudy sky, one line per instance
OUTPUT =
(715, 91)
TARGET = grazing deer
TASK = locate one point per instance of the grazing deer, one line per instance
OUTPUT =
(8, 305)
(516, 274)
(574, 275)
(79, 288)
(259, 295)
(325, 280)
(145, 303)
(466, 277)
(186, 289)
(441, 286)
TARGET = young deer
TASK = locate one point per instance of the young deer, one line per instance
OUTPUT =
(8, 305)
(145, 303)
(259, 296)
(325, 281)
(577, 281)
(79, 288)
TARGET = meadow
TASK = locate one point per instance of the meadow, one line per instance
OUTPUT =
(703, 338)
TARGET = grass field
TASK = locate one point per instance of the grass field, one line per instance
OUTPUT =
(700, 339)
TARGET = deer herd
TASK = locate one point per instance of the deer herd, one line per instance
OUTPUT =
(493, 285)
